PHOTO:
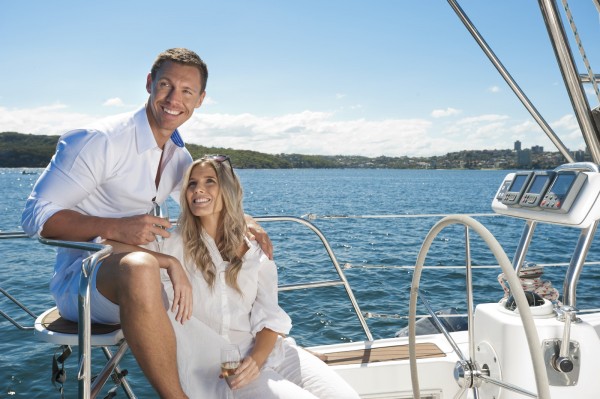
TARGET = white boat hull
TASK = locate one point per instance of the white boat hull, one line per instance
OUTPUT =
(500, 344)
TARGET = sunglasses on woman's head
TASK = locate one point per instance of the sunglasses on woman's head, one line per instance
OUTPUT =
(220, 159)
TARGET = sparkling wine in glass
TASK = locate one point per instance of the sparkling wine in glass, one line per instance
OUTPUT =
(230, 361)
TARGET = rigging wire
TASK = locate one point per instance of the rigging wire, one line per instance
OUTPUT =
(580, 44)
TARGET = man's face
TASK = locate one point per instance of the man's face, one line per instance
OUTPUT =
(174, 94)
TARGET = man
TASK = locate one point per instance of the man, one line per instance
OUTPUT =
(100, 184)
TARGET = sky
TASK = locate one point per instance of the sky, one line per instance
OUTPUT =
(322, 77)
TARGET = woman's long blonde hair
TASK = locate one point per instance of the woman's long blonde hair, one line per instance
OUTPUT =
(231, 227)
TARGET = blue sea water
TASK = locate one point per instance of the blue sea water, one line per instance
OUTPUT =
(348, 205)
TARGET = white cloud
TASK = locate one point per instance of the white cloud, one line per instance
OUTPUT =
(113, 102)
(486, 118)
(494, 89)
(440, 113)
(492, 131)
(570, 126)
(309, 132)
(52, 119)
(322, 133)
(339, 96)
(567, 122)
(524, 127)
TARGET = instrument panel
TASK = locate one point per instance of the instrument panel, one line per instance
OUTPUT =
(567, 195)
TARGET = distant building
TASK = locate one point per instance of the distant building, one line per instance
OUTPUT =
(517, 145)
(524, 158)
(536, 149)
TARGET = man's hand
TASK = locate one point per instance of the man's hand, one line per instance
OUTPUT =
(139, 229)
(255, 232)
(134, 230)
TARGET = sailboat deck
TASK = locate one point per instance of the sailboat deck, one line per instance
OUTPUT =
(382, 354)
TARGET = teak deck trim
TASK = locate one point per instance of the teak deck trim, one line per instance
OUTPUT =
(382, 354)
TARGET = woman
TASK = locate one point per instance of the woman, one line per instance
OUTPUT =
(234, 288)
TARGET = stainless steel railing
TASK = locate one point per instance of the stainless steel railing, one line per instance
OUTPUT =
(89, 264)
(342, 277)
(14, 235)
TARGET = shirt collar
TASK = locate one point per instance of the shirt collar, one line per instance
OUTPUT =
(143, 133)
(212, 248)
(176, 138)
(144, 136)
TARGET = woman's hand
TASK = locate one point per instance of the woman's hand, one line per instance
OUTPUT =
(182, 291)
(182, 288)
(247, 372)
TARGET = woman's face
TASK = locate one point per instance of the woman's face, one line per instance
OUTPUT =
(203, 192)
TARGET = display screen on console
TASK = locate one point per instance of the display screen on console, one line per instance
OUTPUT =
(518, 183)
(563, 191)
(562, 184)
(538, 183)
(514, 193)
(536, 189)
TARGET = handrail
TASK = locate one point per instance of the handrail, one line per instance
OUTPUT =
(586, 236)
(576, 166)
(339, 270)
(314, 216)
(84, 325)
(12, 235)
(23, 307)
(84, 246)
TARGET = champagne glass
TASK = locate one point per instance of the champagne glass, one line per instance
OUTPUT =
(230, 361)
(161, 211)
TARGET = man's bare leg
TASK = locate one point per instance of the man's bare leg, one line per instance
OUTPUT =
(133, 281)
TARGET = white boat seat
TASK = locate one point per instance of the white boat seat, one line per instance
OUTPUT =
(51, 327)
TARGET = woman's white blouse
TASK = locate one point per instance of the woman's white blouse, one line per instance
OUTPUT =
(236, 317)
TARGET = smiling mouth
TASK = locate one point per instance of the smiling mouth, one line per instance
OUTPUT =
(171, 112)
(201, 200)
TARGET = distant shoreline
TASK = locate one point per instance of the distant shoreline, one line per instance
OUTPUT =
(18, 150)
